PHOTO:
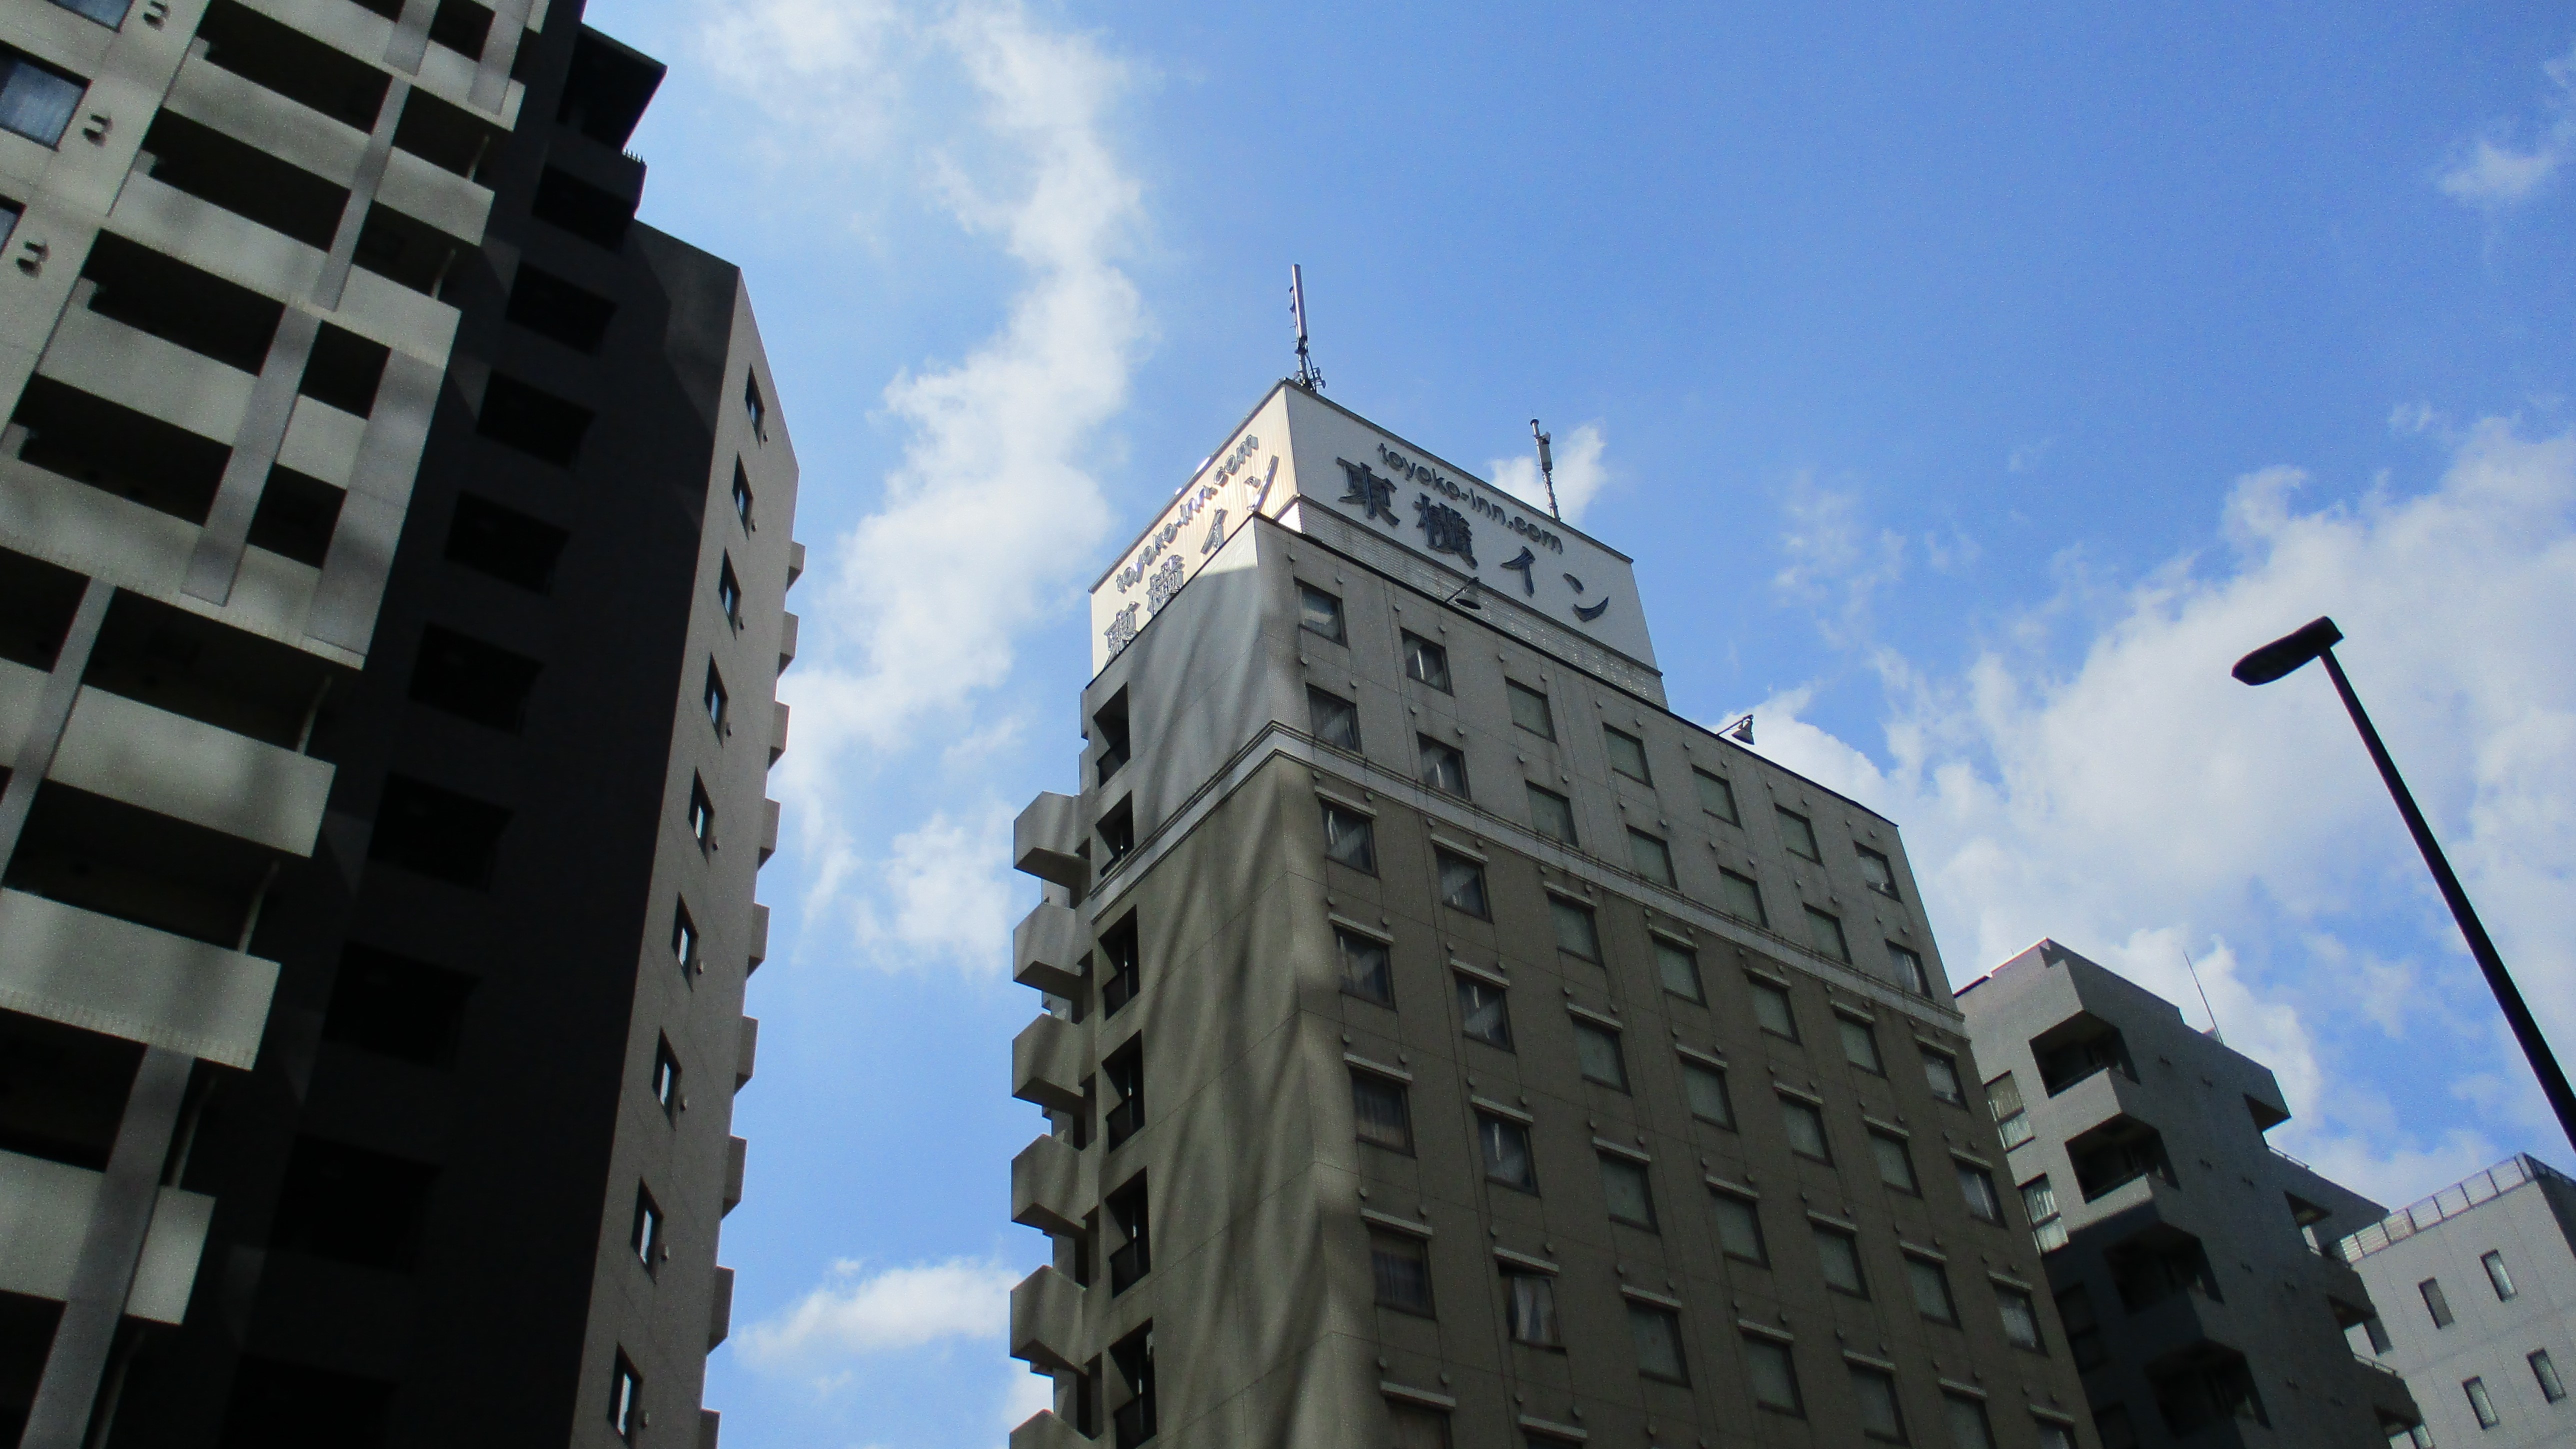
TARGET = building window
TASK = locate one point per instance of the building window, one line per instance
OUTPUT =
(2497, 1278)
(1596, 1050)
(1320, 613)
(1798, 835)
(1941, 1074)
(1576, 933)
(1335, 720)
(1462, 885)
(756, 409)
(2480, 1403)
(2021, 1318)
(1860, 1045)
(1716, 796)
(1908, 968)
(1125, 1072)
(1551, 814)
(2377, 1332)
(1705, 1088)
(1678, 965)
(702, 815)
(1931, 1284)
(1651, 857)
(2546, 1372)
(2084, 1342)
(1626, 1187)
(716, 698)
(1771, 1009)
(1658, 1332)
(1133, 1422)
(1365, 970)
(1627, 754)
(1118, 831)
(10, 211)
(1876, 873)
(1773, 1375)
(1110, 726)
(1838, 1258)
(1826, 933)
(2112, 1423)
(1426, 662)
(1506, 1147)
(2047, 1229)
(741, 496)
(1418, 1426)
(37, 100)
(625, 1400)
(1349, 840)
(1874, 1395)
(1529, 709)
(1401, 1264)
(1739, 897)
(1135, 1255)
(2436, 1302)
(1529, 1302)
(2012, 1117)
(729, 593)
(1118, 952)
(1739, 1228)
(1378, 1106)
(646, 1239)
(1482, 1014)
(2053, 1435)
(1806, 1128)
(110, 13)
(1895, 1162)
(666, 1079)
(1968, 1426)
(1978, 1186)
(1443, 768)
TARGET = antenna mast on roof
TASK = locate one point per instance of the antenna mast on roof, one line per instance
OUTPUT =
(1307, 376)
(1547, 468)
(2215, 1034)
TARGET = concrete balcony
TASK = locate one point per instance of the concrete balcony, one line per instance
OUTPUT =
(1046, 839)
(429, 192)
(737, 1156)
(1047, 1065)
(1050, 1191)
(186, 389)
(45, 1212)
(103, 974)
(2381, 1387)
(1043, 1430)
(720, 1309)
(1046, 1320)
(19, 687)
(322, 442)
(777, 732)
(746, 1052)
(786, 641)
(255, 115)
(768, 830)
(1046, 951)
(176, 766)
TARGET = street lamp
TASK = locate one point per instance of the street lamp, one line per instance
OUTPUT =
(2316, 641)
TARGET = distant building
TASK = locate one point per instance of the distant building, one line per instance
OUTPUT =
(2476, 1287)
(2182, 1249)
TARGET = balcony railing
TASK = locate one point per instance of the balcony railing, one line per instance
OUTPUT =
(2450, 1202)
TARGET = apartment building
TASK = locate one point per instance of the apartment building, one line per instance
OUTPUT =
(2186, 1255)
(2476, 1287)
(394, 539)
(1446, 1044)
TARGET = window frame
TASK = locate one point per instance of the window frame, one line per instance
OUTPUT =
(1396, 1091)
(1821, 924)
(1886, 869)
(2498, 1277)
(1920, 1270)
(1733, 814)
(1881, 1140)
(2553, 1389)
(1538, 817)
(1796, 1406)
(1343, 939)
(1752, 1219)
(1646, 848)
(1735, 888)
(1848, 1245)
(1366, 834)
(1767, 990)
(1415, 1251)
(1884, 1382)
(1485, 1155)
(1790, 1108)
(1644, 774)
(1592, 1033)
(1423, 657)
(1514, 1320)
(1974, 1172)
(2481, 1403)
(1341, 630)
(1851, 1029)
(1443, 862)
(2007, 1298)
(1465, 982)
(1432, 756)
(1350, 711)
(1694, 1069)
(1911, 974)
(12, 58)
(1669, 1323)
(1644, 1179)
(1958, 1093)
(1515, 692)
(1796, 827)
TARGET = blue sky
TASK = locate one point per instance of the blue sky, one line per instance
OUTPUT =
(1970, 387)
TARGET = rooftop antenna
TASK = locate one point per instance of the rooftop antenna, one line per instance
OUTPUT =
(2215, 1034)
(1547, 468)
(1307, 376)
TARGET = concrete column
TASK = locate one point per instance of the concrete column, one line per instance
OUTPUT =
(53, 713)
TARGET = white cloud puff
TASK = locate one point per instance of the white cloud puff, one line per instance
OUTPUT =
(855, 1312)
(2496, 176)
(1580, 473)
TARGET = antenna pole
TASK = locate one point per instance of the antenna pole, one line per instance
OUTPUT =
(2194, 968)
(1307, 376)
(1547, 468)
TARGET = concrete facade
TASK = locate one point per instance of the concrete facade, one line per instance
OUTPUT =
(2496, 1254)
(2183, 1251)
(379, 508)
(1303, 1186)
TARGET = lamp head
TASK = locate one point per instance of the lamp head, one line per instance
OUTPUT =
(2287, 653)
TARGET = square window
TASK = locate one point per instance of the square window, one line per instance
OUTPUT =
(1576, 934)
(754, 408)
(1874, 1395)
(37, 100)
(1860, 1045)
(1418, 1426)
(1625, 1186)
(1909, 970)
(1462, 885)
(1320, 613)
(646, 1238)
(2021, 1319)
(1506, 1148)
(1678, 965)
(684, 940)
(702, 815)
(2480, 1402)
(2436, 1302)
(1827, 934)
(1651, 857)
(1426, 662)
(717, 700)
(1530, 1303)
(1931, 1290)
(1941, 1074)
(1739, 1228)
(1705, 1087)
(1482, 1016)
(625, 1400)
(1401, 1264)
(1978, 1186)
(666, 1079)
(2012, 1118)
(741, 496)
(1717, 796)
(1806, 1128)
(2039, 1204)
(1119, 953)
(1895, 1162)
(729, 594)
(1118, 830)
(1797, 834)
(1335, 720)
(1365, 970)
(1379, 1110)
(1739, 897)
(1658, 1333)
(1627, 754)
(110, 13)
(1443, 768)
(1968, 1426)
(1596, 1048)
(2546, 1372)
(2054, 1435)
(1771, 1010)
(1529, 709)
(1774, 1377)
(1838, 1257)
(1124, 1075)
(2497, 1278)
(1876, 873)
(1551, 814)
(1349, 839)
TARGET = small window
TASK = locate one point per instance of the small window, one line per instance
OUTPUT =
(1625, 1186)
(2021, 1318)
(1530, 1302)
(1627, 754)
(1417, 1426)
(504, 543)
(1771, 1010)
(716, 698)
(1773, 1375)
(1838, 1257)
(1576, 933)
(1426, 662)
(2497, 1278)
(646, 1239)
(1443, 768)
(1717, 796)
(626, 1400)
(1931, 1284)
(1529, 709)
(2436, 1302)
(1705, 1088)
(2084, 1342)
(1124, 1074)
(1969, 1428)
(1125, 974)
(1506, 1148)
(1349, 840)
(2012, 1116)
(110, 13)
(1874, 1395)
(1462, 885)
(1482, 1016)
(666, 1079)
(1109, 727)
(2546, 1372)
(1941, 1074)
(1551, 814)
(10, 211)
(1320, 613)
(1651, 857)
(1876, 873)
(2048, 1230)
(1826, 933)
(754, 407)
(1658, 1332)
(1335, 720)
(2054, 1435)
(1739, 897)
(1806, 1129)
(2480, 1403)
(741, 496)
(1860, 1045)
(472, 680)
(37, 100)
(1678, 965)
(390, 1004)
(729, 593)
(1798, 835)
(1401, 1264)
(1365, 971)
(684, 940)
(1908, 968)
(1739, 1228)
(1895, 1162)
(1596, 1049)
(1978, 1186)
(702, 815)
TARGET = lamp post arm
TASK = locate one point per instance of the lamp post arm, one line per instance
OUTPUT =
(2535, 1047)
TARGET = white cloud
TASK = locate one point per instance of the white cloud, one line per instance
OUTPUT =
(943, 893)
(1580, 473)
(853, 1313)
(1834, 557)
(2496, 176)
